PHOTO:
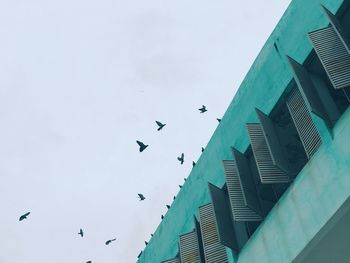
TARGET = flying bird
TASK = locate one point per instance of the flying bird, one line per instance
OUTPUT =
(142, 197)
(203, 109)
(218, 119)
(168, 206)
(81, 233)
(146, 243)
(109, 241)
(182, 158)
(193, 163)
(22, 217)
(142, 146)
(160, 125)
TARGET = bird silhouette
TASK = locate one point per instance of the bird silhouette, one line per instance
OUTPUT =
(142, 197)
(193, 163)
(203, 109)
(182, 158)
(146, 243)
(202, 149)
(160, 125)
(168, 206)
(109, 241)
(142, 146)
(162, 217)
(22, 217)
(81, 233)
(218, 119)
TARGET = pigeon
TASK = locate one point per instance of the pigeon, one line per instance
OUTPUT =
(109, 241)
(81, 233)
(203, 109)
(193, 164)
(146, 243)
(161, 125)
(218, 119)
(142, 146)
(180, 186)
(22, 217)
(168, 206)
(202, 149)
(162, 217)
(181, 159)
(142, 197)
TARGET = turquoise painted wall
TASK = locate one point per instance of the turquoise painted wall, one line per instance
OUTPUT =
(261, 88)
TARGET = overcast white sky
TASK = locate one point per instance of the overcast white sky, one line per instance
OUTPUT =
(80, 81)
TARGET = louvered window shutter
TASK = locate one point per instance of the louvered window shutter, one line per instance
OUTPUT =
(268, 172)
(189, 248)
(214, 251)
(333, 55)
(174, 260)
(241, 189)
(307, 131)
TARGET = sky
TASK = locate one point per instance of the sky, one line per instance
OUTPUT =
(80, 82)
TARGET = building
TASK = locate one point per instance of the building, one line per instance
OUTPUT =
(273, 183)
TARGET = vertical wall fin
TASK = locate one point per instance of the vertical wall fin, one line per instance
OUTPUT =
(277, 153)
(222, 212)
(268, 172)
(307, 131)
(214, 251)
(333, 55)
(343, 36)
(241, 189)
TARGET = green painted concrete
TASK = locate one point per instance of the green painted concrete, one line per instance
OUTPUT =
(315, 194)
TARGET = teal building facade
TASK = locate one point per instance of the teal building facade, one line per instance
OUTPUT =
(273, 183)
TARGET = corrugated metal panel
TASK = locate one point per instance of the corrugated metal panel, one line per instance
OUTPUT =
(189, 248)
(174, 260)
(268, 172)
(242, 193)
(307, 131)
(333, 55)
(214, 252)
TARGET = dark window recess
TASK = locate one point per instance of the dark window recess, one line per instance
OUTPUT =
(189, 248)
(300, 114)
(268, 171)
(214, 251)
